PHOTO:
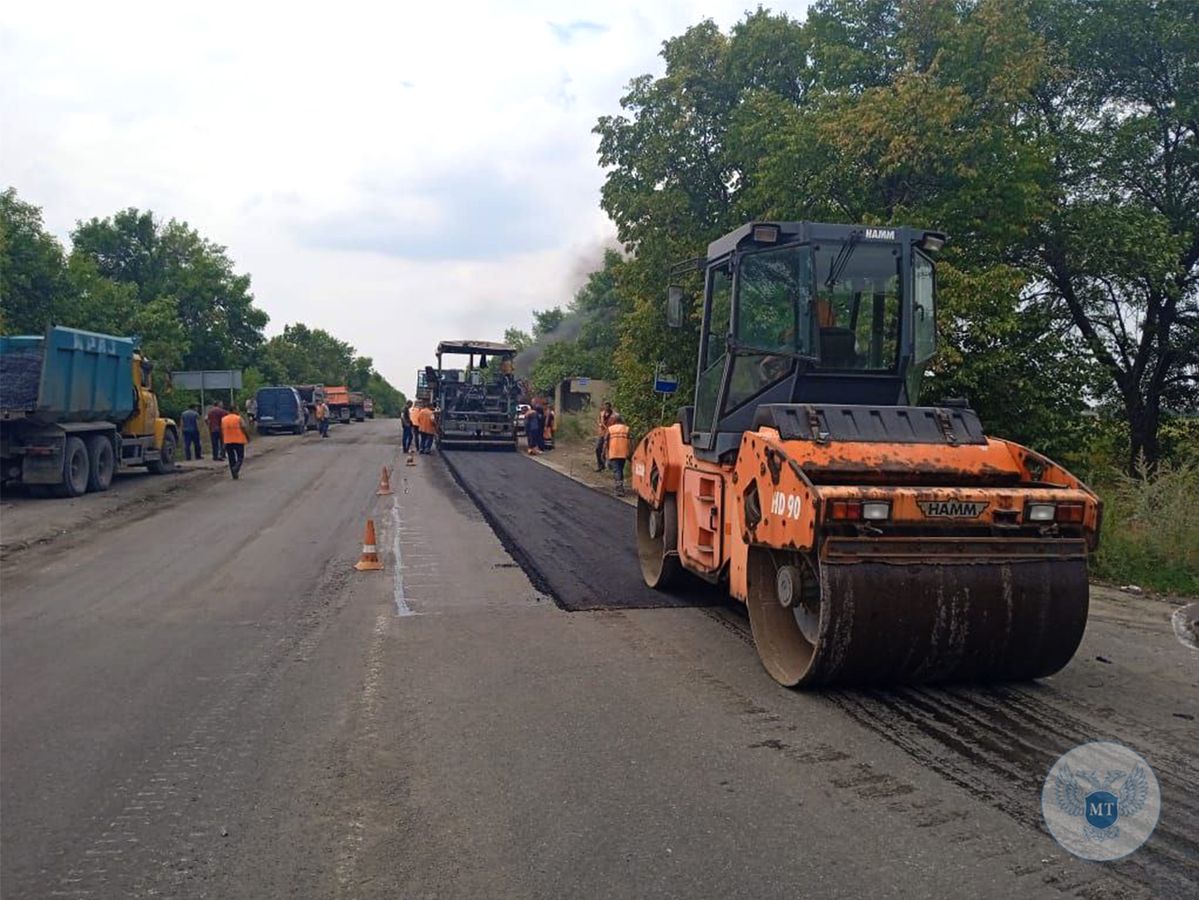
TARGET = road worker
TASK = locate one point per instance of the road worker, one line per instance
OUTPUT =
(551, 420)
(418, 422)
(322, 418)
(535, 429)
(234, 436)
(213, 417)
(616, 448)
(407, 426)
(191, 432)
(427, 423)
(601, 433)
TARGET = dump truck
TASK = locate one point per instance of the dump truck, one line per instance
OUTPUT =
(872, 539)
(477, 405)
(338, 399)
(75, 407)
(357, 406)
(368, 407)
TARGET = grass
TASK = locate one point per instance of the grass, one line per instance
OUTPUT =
(572, 427)
(1150, 534)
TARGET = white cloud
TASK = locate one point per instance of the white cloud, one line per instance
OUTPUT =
(395, 173)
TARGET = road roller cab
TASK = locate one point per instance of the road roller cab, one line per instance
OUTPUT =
(872, 539)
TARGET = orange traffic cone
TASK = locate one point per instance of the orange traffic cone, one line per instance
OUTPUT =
(384, 483)
(370, 554)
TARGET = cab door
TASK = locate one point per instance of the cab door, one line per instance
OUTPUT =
(141, 422)
(713, 355)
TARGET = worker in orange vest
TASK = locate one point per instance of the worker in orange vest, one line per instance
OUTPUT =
(616, 448)
(418, 420)
(427, 423)
(322, 418)
(235, 438)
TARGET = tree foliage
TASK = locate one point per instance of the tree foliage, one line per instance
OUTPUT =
(1054, 140)
(130, 274)
(303, 355)
(35, 291)
(173, 262)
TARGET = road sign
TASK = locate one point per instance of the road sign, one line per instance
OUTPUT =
(208, 380)
(666, 384)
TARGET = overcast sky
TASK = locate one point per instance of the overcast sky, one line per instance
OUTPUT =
(396, 173)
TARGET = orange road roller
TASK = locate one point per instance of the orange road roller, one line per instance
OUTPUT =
(872, 539)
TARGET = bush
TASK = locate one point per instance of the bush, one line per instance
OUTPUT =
(575, 426)
(1150, 534)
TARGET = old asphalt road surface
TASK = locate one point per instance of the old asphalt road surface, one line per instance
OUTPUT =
(208, 701)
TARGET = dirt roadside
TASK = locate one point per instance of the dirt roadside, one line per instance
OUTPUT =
(576, 459)
(27, 522)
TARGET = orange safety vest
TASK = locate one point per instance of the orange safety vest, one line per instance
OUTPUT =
(618, 442)
(231, 431)
(427, 423)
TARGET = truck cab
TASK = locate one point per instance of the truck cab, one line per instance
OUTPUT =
(810, 313)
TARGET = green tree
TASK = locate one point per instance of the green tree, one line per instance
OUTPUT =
(33, 280)
(911, 113)
(518, 338)
(388, 400)
(171, 260)
(546, 322)
(303, 355)
(41, 287)
(1117, 119)
(361, 369)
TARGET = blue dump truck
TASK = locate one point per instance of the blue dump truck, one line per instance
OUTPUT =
(76, 406)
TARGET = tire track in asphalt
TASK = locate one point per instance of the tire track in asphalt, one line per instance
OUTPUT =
(998, 742)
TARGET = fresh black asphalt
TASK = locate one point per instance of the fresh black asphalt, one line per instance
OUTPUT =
(575, 543)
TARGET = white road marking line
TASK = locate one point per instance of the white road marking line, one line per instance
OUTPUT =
(402, 607)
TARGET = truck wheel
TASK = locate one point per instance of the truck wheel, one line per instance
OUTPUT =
(102, 461)
(166, 457)
(75, 469)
